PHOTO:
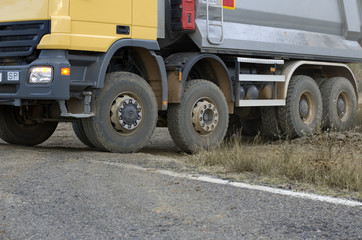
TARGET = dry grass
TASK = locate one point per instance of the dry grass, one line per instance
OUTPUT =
(331, 162)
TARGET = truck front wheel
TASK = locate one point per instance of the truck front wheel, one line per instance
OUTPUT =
(125, 114)
(201, 120)
(79, 131)
(16, 129)
(339, 104)
(302, 114)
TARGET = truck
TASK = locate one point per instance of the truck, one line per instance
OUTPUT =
(204, 69)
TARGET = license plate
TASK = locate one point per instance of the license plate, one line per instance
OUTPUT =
(13, 76)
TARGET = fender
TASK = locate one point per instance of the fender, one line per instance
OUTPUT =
(184, 62)
(335, 70)
(105, 59)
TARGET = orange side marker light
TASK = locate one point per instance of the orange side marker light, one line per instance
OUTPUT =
(65, 71)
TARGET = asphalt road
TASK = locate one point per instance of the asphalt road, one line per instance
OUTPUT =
(55, 191)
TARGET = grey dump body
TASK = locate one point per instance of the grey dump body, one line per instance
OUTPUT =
(328, 30)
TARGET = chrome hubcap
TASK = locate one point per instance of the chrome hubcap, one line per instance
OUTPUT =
(126, 113)
(307, 108)
(205, 116)
(340, 107)
(343, 106)
(303, 108)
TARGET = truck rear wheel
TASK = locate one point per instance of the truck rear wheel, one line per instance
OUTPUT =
(339, 104)
(15, 129)
(201, 120)
(303, 111)
(234, 126)
(125, 114)
(80, 133)
(269, 126)
(250, 127)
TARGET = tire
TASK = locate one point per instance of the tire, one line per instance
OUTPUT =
(201, 120)
(303, 111)
(80, 133)
(125, 114)
(245, 127)
(14, 129)
(269, 124)
(234, 126)
(250, 127)
(339, 104)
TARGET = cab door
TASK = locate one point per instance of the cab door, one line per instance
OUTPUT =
(144, 19)
(97, 24)
(102, 11)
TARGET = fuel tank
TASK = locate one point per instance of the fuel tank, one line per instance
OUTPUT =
(328, 30)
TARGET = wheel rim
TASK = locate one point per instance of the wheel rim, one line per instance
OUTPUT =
(307, 108)
(21, 121)
(343, 105)
(205, 116)
(126, 113)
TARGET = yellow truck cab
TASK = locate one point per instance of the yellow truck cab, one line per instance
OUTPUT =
(55, 53)
(204, 69)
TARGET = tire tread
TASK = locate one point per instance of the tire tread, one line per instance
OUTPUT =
(175, 117)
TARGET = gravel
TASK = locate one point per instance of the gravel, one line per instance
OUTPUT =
(63, 190)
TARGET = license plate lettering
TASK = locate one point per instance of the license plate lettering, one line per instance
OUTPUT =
(13, 76)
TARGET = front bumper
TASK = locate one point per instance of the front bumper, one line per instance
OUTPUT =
(14, 85)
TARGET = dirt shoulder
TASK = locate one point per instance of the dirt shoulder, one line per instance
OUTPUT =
(161, 153)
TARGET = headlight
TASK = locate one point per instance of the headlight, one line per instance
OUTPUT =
(41, 75)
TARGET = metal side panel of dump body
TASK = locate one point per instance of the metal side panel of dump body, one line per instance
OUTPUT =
(321, 30)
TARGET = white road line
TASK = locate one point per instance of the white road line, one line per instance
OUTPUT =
(204, 178)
